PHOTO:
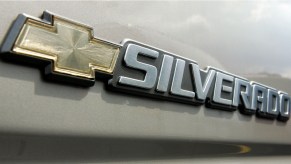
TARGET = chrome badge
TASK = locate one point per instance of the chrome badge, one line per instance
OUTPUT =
(71, 54)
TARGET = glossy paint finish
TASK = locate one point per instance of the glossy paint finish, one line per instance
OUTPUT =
(239, 37)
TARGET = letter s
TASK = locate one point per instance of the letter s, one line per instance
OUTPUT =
(130, 59)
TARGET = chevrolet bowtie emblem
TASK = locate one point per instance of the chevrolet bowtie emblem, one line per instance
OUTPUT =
(70, 46)
(72, 54)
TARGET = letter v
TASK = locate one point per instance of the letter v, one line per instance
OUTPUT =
(201, 90)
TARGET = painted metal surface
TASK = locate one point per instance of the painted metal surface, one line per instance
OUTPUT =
(35, 113)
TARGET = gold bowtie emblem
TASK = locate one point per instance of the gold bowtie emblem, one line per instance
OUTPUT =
(69, 45)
